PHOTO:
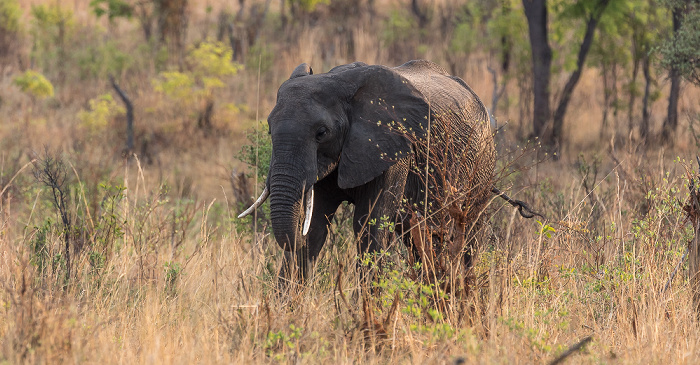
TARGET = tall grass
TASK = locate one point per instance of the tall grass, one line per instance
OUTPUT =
(162, 271)
(184, 282)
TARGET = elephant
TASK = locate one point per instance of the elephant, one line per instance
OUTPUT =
(375, 137)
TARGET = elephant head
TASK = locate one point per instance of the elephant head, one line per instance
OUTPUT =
(352, 120)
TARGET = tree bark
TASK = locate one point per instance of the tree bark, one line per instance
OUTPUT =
(671, 122)
(692, 209)
(536, 13)
(421, 14)
(129, 115)
(632, 95)
(560, 113)
(498, 89)
(644, 127)
(606, 101)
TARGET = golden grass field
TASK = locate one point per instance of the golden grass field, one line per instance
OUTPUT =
(162, 271)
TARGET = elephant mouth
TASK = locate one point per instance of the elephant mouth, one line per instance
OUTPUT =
(308, 211)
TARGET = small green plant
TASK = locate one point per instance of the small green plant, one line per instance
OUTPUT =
(173, 272)
(256, 155)
(279, 344)
(39, 246)
(421, 303)
(34, 84)
(545, 230)
(258, 152)
(109, 227)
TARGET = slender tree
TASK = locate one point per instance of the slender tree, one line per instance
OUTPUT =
(671, 121)
(536, 14)
(593, 16)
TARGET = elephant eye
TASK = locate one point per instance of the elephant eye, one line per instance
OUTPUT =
(321, 132)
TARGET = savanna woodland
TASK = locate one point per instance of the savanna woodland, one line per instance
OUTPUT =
(133, 132)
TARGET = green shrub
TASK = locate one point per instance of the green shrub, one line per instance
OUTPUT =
(10, 13)
(34, 84)
(102, 109)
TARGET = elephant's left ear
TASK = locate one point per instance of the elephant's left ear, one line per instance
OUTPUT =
(387, 115)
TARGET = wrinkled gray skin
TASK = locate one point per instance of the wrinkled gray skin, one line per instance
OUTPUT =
(344, 133)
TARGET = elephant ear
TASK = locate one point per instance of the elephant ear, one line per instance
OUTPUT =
(387, 114)
(302, 70)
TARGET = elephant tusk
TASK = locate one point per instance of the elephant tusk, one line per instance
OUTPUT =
(257, 203)
(309, 212)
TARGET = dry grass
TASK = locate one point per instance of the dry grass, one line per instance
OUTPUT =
(536, 295)
(183, 281)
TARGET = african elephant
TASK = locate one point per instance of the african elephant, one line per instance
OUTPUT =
(369, 135)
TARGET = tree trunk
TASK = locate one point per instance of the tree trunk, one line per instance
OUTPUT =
(129, 115)
(692, 209)
(615, 99)
(633, 95)
(204, 119)
(671, 121)
(421, 14)
(560, 113)
(606, 101)
(498, 89)
(644, 127)
(536, 13)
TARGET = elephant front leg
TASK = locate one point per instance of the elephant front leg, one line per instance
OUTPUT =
(376, 204)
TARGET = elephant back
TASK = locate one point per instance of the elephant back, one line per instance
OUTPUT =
(460, 131)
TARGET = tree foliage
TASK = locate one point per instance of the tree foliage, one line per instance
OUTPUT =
(10, 13)
(682, 51)
(34, 84)
(101, 110)
(112, 8)
(208, 64)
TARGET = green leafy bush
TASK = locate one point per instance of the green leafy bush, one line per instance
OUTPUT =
(34, 84)
(102, 109)
(258, 152)
(9, 16)
(209, 63)
(174, 84)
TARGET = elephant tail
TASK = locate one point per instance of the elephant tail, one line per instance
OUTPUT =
(524, 209)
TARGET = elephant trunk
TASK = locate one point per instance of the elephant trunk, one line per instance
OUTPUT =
(287, 208)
